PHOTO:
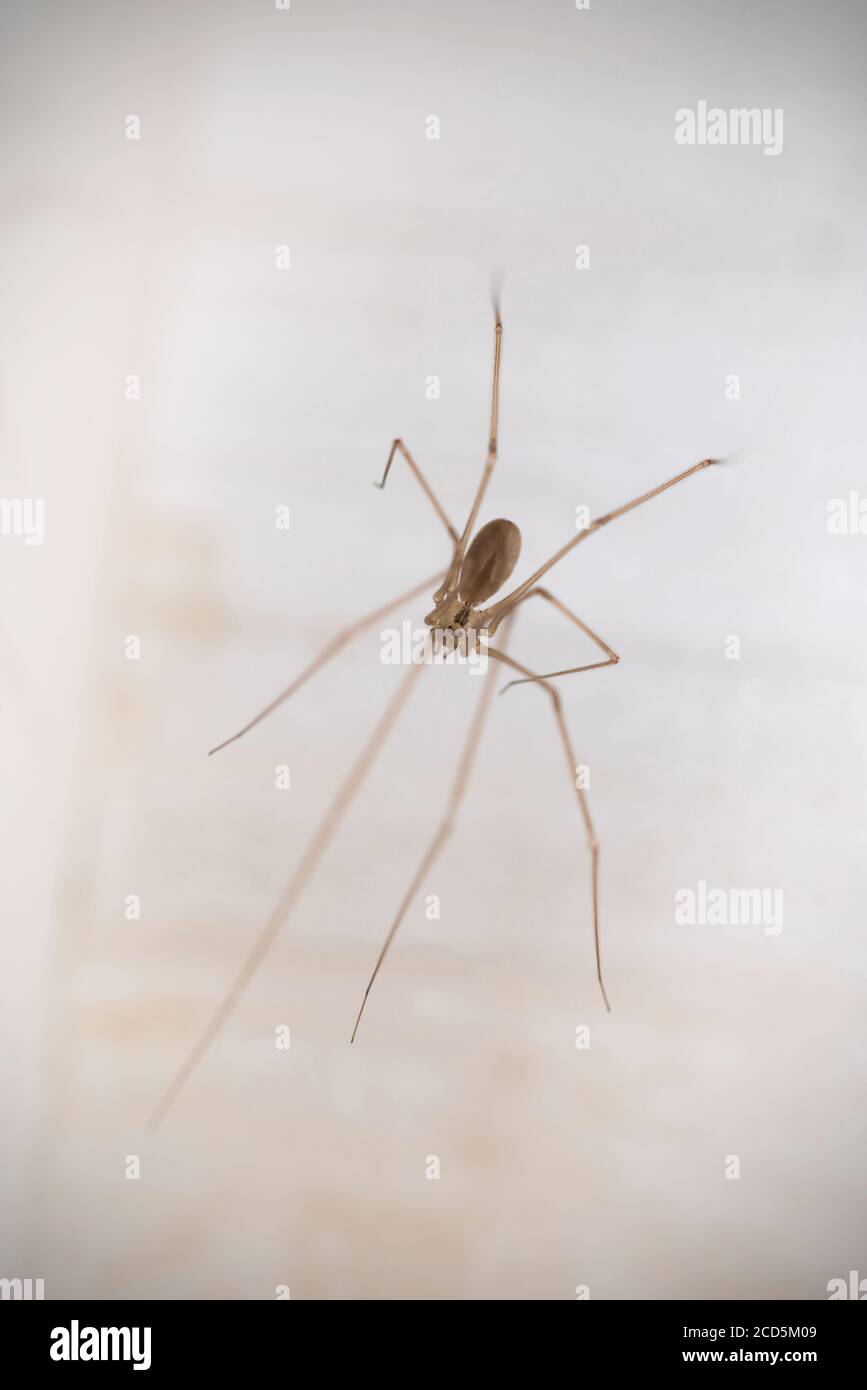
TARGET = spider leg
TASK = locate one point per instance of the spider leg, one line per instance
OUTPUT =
(292, 892)
(456, 795)
(584, 807)
(451, 578)
(398, 446)
(333, 647)
(497, 610)
(613, 658)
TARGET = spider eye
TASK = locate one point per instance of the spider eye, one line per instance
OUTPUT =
(489, 561)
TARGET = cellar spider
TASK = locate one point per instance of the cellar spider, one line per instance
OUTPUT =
(479, 568)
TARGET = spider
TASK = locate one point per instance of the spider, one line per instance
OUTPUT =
(479, 568)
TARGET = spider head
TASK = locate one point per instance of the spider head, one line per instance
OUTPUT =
(453, 614)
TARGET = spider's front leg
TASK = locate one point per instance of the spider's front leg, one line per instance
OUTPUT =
(398, 447)
(336, 645)
(343, 638)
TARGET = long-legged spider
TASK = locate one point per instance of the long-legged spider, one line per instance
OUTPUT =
(478, 569)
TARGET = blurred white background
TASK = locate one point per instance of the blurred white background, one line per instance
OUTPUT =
(260, 387)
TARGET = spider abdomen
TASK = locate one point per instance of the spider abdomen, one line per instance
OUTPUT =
(489, 561)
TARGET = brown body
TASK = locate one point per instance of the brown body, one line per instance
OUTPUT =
(486, 566)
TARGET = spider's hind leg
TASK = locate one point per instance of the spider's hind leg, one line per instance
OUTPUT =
(316, 847)
(583, 804)
(611, 656)
(465, 761)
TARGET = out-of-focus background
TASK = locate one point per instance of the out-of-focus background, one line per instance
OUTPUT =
(236, 312)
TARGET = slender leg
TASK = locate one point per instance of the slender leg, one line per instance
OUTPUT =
(296, 884)
(398, 446)
(592, 842)
(333, 647)
(613, 658)
(498, 610)
(451, 578)
(459, 786)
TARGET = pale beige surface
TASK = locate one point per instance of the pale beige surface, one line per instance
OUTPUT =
(559, 1167)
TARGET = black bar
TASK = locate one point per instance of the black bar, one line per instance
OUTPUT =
(221, 1338)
